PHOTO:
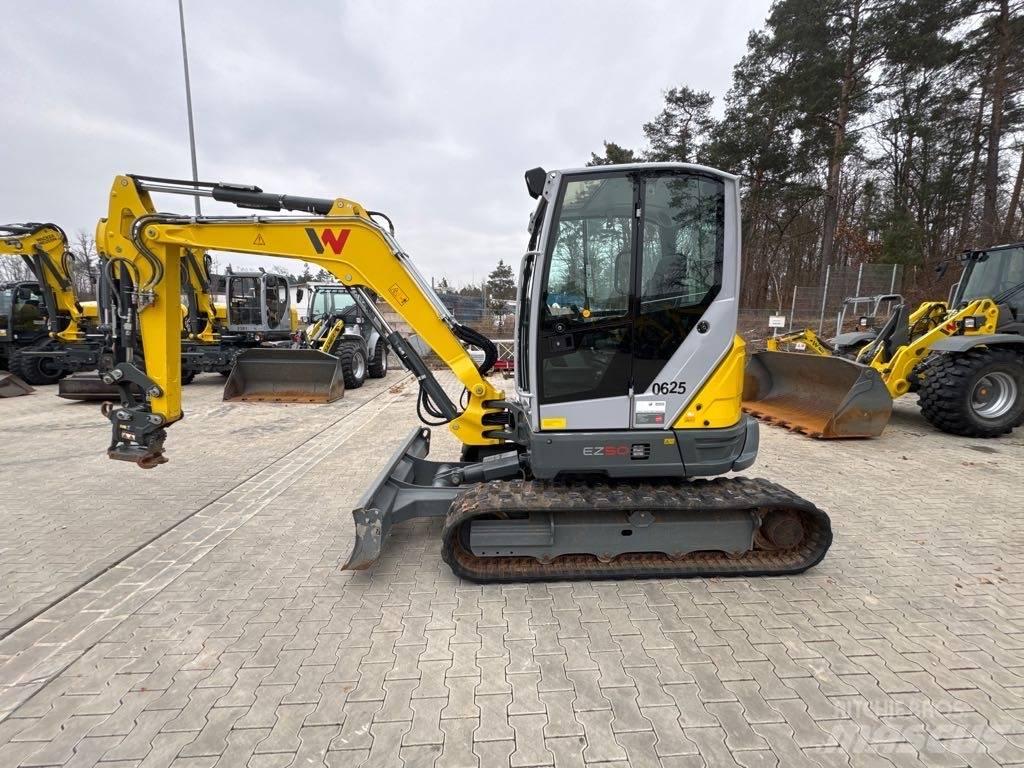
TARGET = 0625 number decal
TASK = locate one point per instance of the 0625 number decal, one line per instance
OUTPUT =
(668, 388)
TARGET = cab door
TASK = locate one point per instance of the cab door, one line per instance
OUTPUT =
(586, 335)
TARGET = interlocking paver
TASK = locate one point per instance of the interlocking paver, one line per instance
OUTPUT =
(602, 745)
(494, 724)
(235, 638)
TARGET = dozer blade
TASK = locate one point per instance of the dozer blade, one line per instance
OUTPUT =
(87, 386)
(265, 374)
(826, 397)
(12, 386)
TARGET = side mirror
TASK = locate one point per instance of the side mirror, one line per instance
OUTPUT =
(535, 178)
(299, 293)
(941, 268)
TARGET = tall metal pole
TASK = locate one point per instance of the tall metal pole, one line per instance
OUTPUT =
(188, 102)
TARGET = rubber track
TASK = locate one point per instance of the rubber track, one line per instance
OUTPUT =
(719, 494)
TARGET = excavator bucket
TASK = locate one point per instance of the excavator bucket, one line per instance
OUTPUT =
(12, 386)
(827, 397)
(269, 375)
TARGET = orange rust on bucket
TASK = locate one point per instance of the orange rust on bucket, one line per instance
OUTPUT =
(824, 397)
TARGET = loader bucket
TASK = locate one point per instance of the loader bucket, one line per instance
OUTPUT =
(269, 375)
(87, 386)
(12, 386)
(825, 397)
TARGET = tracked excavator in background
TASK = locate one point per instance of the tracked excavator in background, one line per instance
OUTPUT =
(964, 357)
(46, 332)
(258, 310)
(628, 385)
(223, 338)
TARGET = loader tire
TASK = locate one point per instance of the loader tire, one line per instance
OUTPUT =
(978, 393)
(36, 370)
(187, 377)
(352, 360)
(379, 362)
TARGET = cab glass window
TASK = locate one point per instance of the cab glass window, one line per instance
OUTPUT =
(588, 276)
(996, 272)
(682, 246)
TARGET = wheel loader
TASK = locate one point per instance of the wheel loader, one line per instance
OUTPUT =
(964, 358)
(627, 392)
(46, 332)
(341, 324)
(339, 349)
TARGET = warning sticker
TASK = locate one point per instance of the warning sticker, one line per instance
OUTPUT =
(649, 413)
(259, 240)
(398, 294)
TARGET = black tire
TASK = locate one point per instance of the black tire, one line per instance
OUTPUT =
(352, 359)
(35, 369)
(225, 373)
(956, 390)
(187, 377)
(379, 362)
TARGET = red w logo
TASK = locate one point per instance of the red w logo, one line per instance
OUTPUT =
(327, 237)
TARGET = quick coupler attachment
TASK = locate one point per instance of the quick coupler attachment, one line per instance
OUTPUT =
(411, 486)
(138, 433)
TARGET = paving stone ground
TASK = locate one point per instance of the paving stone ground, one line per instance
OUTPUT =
(195, 615)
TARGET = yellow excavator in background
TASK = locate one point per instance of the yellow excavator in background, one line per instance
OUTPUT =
(46, 332)
(257, 310)
(965, 359)
(628, 382)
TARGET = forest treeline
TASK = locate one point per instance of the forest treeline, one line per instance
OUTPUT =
(866, 131)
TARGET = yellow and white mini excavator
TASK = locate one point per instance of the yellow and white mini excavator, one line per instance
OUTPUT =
(46, 332)
(627, 389)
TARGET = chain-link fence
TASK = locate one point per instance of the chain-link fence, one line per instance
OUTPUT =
(834, 306)
(820, 307)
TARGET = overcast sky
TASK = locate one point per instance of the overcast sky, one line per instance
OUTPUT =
(429, 111)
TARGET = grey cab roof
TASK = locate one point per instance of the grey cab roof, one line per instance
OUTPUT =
(629, 167)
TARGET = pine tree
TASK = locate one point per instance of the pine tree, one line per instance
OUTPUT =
(613, 155)
(679, 130)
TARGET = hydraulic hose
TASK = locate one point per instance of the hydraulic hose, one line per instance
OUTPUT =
(477, 339)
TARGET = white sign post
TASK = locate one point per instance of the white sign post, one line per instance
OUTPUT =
(775, 322)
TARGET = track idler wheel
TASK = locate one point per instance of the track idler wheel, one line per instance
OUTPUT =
(781, 530)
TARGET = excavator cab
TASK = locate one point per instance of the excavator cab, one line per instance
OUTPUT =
(258, 306)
